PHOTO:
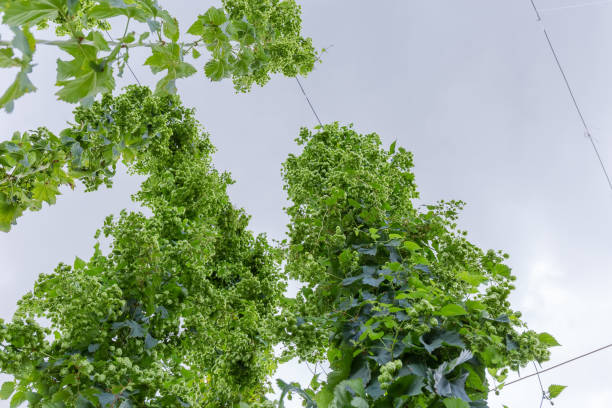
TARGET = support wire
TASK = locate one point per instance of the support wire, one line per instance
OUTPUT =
(572, 95)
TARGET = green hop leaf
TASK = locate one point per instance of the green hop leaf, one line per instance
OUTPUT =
(548, 340)
(7, 60)
(452, 310)
(554, 390)
(392, 148)
(214, 16)
(18, 399)
(45, 192)
(216, 70)
(7, 390)
(411, 246)
(455, 403)
(170, 27)
(18, 88)
(33, 12)
(87, 85)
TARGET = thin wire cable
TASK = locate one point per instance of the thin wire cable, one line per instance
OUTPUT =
(544, 396)
(600, 160)
(575, 6)
(536, 10)
(133, 74)
(126, 62)
(553, 367)
(572, 95)
(308, 100)
(567, 83)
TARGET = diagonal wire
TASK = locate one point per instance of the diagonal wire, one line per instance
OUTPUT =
(133, 74)
(536, 10)
(600, 160)
(567, 83)
(308, 100)
(126, 62)
(572, 95)
(574, 6)
(544, 396)
(553, 367)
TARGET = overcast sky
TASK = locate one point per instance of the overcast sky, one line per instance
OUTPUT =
(471, 88)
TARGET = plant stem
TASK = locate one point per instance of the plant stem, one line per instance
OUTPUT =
(86, 42)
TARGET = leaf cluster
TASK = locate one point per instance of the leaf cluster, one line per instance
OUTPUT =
(186, 307)
(407, 311)
(248, 40)
(180, 312)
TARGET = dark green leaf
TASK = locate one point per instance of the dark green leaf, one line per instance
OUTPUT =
(436, 338)
(106, 399)
(510, 343)
(368, 250)
(360, 369)
(374, 390)
(150, 342)
(413, 369)
(374, 282)
(136, 329)
(410, 385)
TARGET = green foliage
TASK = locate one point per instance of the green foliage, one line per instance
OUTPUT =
(185, 307)
(248, 41)
(188, 304)
(33, 165)
(415, 312)
(180, 312)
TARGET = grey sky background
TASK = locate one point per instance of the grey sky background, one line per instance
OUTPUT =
(470, 87)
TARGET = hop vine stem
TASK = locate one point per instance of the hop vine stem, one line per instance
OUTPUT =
(59, 43)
